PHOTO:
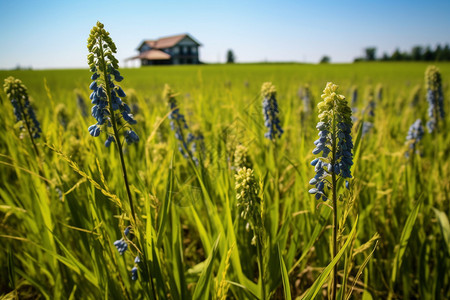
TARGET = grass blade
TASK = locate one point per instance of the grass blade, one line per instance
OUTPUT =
(361, 269)
(165, 206)
(445, 227)
(284, 276)
(11, 269)
(406, 233)
(324, 215)
(203, 284)
(317, 286)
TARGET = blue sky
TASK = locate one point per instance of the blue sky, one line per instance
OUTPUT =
(53, 34)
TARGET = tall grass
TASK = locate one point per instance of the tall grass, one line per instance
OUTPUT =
(59, 221)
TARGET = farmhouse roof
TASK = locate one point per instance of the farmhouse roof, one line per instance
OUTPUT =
(167, 42)
(153, 55)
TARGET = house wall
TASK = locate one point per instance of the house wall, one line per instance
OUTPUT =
(146, 62)
(185, 52)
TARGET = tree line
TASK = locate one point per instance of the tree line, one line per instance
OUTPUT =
(417, 53)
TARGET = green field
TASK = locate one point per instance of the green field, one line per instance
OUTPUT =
(61, 211)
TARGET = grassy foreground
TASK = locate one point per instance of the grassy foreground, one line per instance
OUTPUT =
(61, 212)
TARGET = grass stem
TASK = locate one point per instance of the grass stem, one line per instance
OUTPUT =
(334, 200)
(116, 135)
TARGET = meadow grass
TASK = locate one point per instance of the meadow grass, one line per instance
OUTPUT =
(61, 212)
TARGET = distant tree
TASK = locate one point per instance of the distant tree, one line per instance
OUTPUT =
(417, 53)
(438, 53)
(325, 59)
(446, 53)
(385, 57)
(397, 55)
(370, 53)
(230, 57)
(406, 55)
(428, 55)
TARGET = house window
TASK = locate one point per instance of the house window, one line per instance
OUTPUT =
(175, 50)
(194, 50)
(185, 49)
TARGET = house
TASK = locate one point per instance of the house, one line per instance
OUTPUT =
(179, 49)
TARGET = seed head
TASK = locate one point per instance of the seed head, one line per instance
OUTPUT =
(248, 200)
(241, 158)
(433, 78)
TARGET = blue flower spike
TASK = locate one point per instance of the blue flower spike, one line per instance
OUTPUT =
(17, 93)
(121, 244)
(435, 98)
(271, 112)
(334, 143)
(188, 143)
(415, 135)
(134, 273)
(109, 110)
(134, 270)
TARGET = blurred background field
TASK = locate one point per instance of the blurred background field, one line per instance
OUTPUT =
(57, 231)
